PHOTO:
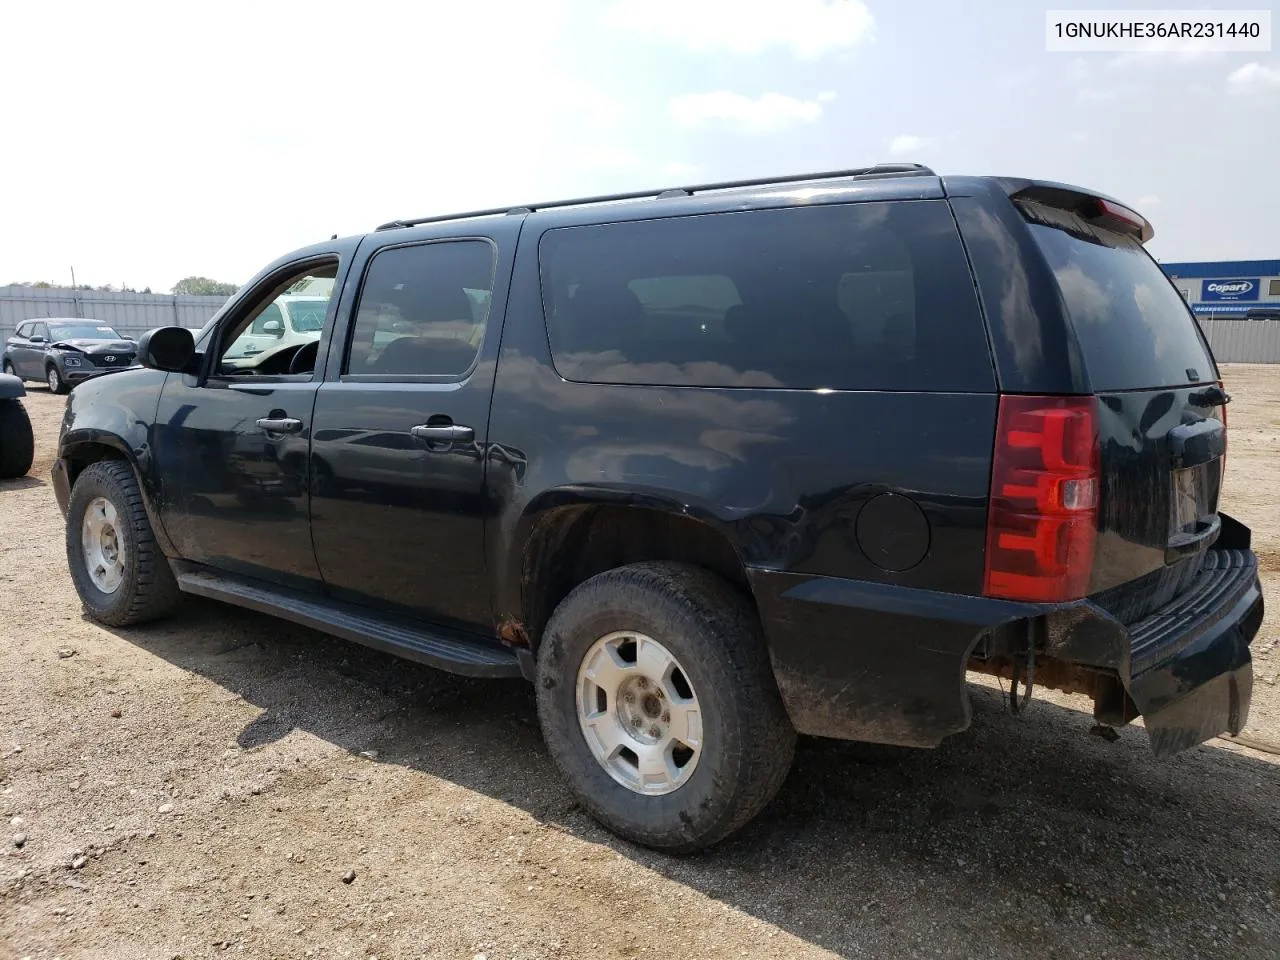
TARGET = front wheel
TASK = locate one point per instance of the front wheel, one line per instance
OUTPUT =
(659, 707)
(55, 381)
(8, 368)
(17, 441)
(117, 566)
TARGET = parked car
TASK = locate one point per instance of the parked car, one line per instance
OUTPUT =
(63, 351)
(711, 467)
(289, 321)
(17, 440)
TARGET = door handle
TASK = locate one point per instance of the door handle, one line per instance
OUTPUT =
(450, 432)
(280, 425)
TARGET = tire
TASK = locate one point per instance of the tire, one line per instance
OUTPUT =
(746, 740)
(17, 440)
(8, 368)
(146, 589)
(54, 379)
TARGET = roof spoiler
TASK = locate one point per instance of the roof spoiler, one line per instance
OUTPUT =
(1090, 206)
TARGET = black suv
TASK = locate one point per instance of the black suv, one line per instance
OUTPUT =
(711, 466)
(64, 351)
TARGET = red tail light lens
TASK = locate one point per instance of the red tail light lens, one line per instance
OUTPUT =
(1042, 520)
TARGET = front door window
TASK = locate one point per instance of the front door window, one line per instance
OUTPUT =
(281, 334)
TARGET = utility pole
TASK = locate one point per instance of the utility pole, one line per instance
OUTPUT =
(73, 278)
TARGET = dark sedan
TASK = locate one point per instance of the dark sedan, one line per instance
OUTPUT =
(63, 352)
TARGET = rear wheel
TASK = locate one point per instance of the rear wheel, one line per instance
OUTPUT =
(8, 368)
(659, 706)
(54, 379)
(17, 441)
(115, 562)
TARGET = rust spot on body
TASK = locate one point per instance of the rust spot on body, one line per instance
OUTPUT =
(512, 632)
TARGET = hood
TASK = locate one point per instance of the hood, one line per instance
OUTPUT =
(96, 346)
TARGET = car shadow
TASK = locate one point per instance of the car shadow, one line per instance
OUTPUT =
(1024, 835)
(22, 483)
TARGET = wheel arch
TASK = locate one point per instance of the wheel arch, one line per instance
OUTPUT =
(567, 536)
(80, 448)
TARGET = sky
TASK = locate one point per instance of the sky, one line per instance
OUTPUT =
(145, 142)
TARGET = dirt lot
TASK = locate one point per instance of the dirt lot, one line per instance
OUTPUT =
(201, 787)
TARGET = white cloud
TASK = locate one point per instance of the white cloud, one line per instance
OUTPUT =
(766, 113)
(908, 144)
(826, 96)
(808, 28)
(1254, 78)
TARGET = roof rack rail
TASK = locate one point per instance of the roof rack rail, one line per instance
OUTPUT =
(879, 170)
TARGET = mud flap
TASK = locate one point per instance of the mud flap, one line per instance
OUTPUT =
(1206, 688)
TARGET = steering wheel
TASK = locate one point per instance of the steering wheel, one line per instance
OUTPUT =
(304, 359)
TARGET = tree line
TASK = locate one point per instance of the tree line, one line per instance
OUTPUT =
(187, 286)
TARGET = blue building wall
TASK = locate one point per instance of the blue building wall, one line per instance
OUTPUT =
(1228, 289)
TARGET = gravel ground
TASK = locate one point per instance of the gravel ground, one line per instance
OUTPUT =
(223, 783)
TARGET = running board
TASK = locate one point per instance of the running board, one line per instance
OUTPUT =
(439, 647)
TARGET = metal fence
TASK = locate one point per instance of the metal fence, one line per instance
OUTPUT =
(1243, 341)
(1233, 341)
(129, 313)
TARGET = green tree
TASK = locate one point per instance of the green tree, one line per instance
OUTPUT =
(203, 287)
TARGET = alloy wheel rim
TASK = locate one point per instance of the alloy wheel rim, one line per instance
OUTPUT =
(639, 713)
(103, 547)
(53, 378)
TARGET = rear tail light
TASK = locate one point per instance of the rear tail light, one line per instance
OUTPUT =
(1042, 520)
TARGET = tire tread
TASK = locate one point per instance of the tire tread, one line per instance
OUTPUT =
(152, 590)
(725, 621)
(17, 442)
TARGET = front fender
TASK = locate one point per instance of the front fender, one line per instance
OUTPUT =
(113, 417)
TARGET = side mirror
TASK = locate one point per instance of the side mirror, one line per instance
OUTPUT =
(273, 327)
(167, 348)
(36, 338)
(129, 338)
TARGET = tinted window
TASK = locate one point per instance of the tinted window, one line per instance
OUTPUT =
(1273, 288)
(1133, 327)
(40, 330)
(422, 310)
(23, 330)
(873, 296)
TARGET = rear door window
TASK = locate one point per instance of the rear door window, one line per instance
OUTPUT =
(1135, 330)
(422, 311)
(869, 296)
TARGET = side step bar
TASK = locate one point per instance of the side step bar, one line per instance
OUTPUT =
(439, 647)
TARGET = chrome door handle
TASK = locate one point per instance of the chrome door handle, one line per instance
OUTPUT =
(451, 432)
(280, 425)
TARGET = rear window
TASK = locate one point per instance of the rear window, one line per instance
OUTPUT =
(870, 296)
(1134, 329)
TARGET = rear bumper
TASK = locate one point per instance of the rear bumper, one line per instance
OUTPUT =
(887, 664)
(1190, 670)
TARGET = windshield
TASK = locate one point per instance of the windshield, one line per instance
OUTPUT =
(308, 316)
(87, 330)
(1134, 329)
